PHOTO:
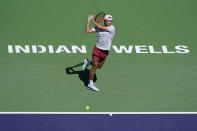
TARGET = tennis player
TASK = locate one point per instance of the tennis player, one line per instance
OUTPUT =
(105, 34)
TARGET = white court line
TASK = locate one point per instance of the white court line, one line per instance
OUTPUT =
(109, 113)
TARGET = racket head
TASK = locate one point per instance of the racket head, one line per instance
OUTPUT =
(99, 17)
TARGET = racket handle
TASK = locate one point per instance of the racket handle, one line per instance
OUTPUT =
(89, 17)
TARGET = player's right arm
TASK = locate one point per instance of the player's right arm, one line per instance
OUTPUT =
(88, 29)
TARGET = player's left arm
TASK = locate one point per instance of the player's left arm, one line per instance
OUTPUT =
(88, 29)
(98, 25)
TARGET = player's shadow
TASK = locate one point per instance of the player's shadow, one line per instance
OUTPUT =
(83, 75)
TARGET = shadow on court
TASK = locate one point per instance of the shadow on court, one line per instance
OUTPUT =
(83, 75)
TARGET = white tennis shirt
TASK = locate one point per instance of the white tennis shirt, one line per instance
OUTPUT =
(104, 38)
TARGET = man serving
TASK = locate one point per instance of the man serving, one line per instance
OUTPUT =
(105, 34)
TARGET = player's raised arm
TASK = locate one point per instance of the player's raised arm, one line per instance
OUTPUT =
(88, 29)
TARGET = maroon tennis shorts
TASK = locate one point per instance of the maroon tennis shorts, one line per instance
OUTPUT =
(99, 55)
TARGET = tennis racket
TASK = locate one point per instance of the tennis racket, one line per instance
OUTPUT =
(99, 17)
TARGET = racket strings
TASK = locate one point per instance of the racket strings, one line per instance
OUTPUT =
(100, 17)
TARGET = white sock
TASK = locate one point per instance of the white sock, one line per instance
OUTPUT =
(91, 82)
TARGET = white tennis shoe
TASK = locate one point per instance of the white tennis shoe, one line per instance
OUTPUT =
(93, 87)
(86, 63)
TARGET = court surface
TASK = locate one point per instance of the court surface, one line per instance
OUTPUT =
(127, 82)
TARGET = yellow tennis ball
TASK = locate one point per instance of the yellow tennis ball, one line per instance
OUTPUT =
(87, 107)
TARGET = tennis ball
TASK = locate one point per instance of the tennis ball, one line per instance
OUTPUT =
(87, 107)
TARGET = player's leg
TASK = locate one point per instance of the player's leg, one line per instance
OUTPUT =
(100, 64)
(91, 76)
(93, 70)
(95, 61)
(103, 55)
